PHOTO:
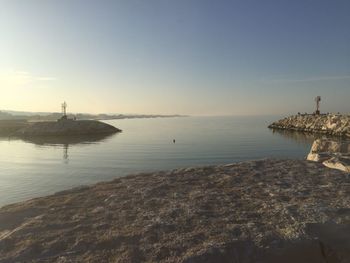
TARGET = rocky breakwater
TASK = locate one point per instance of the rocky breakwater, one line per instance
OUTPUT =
(65, 128)
(259, 211)
(332, 153)
(8, 127)
(330, 124)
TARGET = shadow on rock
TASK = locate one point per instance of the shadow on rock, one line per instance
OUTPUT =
(327, 242)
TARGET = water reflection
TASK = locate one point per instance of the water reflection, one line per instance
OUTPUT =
(65, 152)
(299, 137)
(67, 140)
(63, 142)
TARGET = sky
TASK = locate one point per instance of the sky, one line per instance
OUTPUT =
(195, 57)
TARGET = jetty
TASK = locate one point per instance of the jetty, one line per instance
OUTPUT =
(64, 126)
(8, 127)
(326, 123)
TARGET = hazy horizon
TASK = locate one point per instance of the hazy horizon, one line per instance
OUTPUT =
(196, 57)
(132, 113)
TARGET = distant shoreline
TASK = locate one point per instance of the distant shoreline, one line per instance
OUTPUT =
(12, 123)
(29, 116)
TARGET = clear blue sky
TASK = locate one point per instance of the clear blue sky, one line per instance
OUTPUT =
(180, 56)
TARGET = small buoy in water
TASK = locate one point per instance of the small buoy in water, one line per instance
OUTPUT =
(174, 141)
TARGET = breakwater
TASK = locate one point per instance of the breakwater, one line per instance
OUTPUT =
(329, 124)
(65, 128)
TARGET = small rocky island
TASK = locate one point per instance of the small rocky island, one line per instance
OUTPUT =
(62, 127)
(65, 127)
(266, 211)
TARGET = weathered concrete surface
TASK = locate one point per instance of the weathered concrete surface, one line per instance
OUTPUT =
(332, 153)
(258, 211)
(65, 128)
(330, 124)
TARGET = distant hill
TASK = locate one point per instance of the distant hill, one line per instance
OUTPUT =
(25, 113)
(47, 116)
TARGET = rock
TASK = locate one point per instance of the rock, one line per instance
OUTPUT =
(297, 211)
(340, 163)
(331, 124)
(331, 153)
(66, 128)
(318, 157)
(328, 145)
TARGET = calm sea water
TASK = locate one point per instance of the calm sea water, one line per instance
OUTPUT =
(39, 167)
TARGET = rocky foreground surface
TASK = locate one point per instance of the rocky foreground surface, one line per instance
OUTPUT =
(330, 124)
(258, 211)
(331, 153)
(65, 128)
